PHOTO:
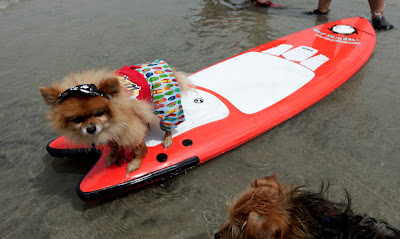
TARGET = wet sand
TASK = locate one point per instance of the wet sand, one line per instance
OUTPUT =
(351, 137)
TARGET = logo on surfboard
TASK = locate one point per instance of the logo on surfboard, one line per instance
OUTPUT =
(343, 29)
(198, 100)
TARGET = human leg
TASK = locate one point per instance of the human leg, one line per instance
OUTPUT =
(323, 8)
(377, 15)
(323, 5)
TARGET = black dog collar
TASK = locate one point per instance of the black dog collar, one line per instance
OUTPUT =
(87, 89)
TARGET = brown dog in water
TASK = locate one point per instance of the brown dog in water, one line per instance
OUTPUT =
(268, 209)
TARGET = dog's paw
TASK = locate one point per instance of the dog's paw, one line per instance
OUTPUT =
(166, 143)
(133, 165)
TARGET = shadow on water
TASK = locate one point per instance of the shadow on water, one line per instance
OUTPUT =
(160, 191)
(78, 165)
(60, 177)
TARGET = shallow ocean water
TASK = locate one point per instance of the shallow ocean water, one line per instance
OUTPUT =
(351, 137)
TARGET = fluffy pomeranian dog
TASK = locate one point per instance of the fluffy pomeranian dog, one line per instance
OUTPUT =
(116, 108)
(268, 209)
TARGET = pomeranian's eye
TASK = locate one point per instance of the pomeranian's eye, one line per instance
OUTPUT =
(78, 119)
(99, 114)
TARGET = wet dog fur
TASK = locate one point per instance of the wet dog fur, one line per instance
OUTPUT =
(268, 209)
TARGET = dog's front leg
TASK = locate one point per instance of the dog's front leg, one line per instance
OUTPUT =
(113, 155)
(140, 152)
(167, 141)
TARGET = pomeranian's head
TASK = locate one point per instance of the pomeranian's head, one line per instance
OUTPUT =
(85, 106)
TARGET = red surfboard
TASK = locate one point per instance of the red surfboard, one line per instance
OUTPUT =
(236, 100)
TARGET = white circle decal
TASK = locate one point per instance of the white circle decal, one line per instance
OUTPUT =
(344, 29)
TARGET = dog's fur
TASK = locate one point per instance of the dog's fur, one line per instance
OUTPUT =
(268, 209)
(120, 122)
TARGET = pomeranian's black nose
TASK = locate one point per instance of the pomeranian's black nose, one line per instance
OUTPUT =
(91, 129)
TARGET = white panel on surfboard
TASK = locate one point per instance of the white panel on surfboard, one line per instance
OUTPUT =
(266, 80)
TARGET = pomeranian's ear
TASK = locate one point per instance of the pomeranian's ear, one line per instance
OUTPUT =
(50, 94)
(110, 86)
